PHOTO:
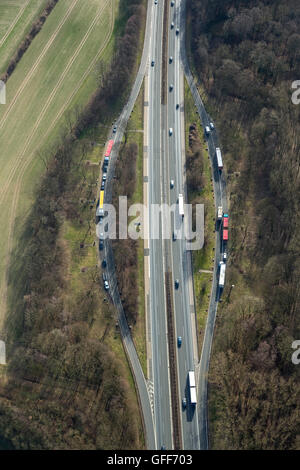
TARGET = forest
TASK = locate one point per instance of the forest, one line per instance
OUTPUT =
(246, 54)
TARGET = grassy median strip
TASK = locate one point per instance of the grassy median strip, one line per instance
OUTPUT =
(200, 191)
(139, 331)
(129, 254)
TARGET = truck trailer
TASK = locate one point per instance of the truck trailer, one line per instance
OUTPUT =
(225, 220)
(180, 205)
(222, 266)
(219, 158)
(100, 209)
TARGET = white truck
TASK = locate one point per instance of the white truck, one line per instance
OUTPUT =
(219, 158)
(192, 387)
(222, 267)
(181, 205)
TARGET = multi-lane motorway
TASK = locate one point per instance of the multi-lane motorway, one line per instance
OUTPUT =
(181, 266)
(165, 156)
(159, 340)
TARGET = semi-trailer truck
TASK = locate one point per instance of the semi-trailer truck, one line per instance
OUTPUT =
(100, 210)
(219, 158)
(222, 266)
(180, 205)
(192, 387)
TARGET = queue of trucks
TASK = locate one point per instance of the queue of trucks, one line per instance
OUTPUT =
(100, 204)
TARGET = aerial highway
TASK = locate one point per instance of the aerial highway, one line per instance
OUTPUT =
(165, 156)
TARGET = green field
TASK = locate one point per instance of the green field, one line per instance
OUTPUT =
(16, 18)
(57, 74)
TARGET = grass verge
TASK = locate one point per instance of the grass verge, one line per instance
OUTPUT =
(202, 259)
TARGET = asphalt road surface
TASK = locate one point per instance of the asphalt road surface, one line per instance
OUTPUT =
(181, 268)
(165, 159)
(107, 252)
(156, 136)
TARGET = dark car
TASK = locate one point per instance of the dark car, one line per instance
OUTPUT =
(179, 341)
(152, 63)
(101, 244)
(104, 263)
(176, 284)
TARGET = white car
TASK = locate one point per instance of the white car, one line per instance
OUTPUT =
(106, 285)
(170, 59)
(172, 25)
(171, 87)
(224, 256)
(172, 184)
(212, 126)
(170, 131)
